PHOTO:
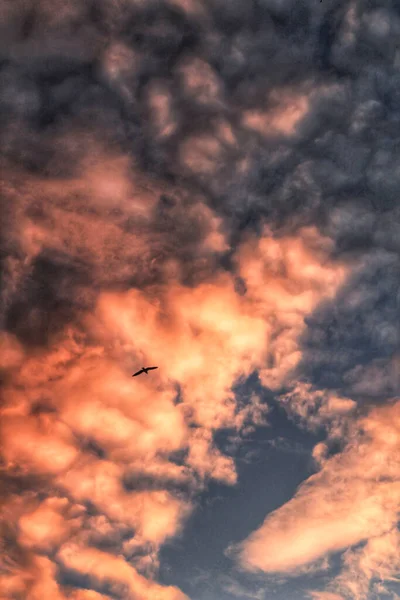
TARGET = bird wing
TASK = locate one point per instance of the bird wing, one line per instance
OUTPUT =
(151, 368)
(138, 373)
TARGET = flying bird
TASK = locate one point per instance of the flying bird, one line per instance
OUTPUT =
(144, 370)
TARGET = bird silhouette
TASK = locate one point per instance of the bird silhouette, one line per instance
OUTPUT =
(144, 370)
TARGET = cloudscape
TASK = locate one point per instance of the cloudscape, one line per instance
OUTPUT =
(211, 187)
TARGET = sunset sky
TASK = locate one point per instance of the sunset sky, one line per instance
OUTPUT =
(211, 187)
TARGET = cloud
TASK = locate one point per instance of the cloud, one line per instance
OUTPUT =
(365, 569)
(103, 568)
(325, 596)
(353, 336)
(106, 441)
(43, 444)
(353, 498)
(233, 587)
(287, 278)
(215, 188)
(281, 119)
(49, 524)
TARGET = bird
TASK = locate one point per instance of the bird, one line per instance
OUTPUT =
(144, 370)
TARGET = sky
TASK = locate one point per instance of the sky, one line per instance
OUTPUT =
(210, 187)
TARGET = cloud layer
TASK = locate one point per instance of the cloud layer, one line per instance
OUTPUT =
(212, 188)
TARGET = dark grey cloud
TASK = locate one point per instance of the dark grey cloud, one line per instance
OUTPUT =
(254, 49)
(47, 300)
(357, 333)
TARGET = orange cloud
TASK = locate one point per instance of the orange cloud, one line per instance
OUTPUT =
(33, 582)
(43, 444)
(325, 596)
(355, 497)
(365, 569)
(87, 595)
(103, 567)
(48, 525)
(285, 279)
(201, 327)
(11, 352)
(85, 427)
